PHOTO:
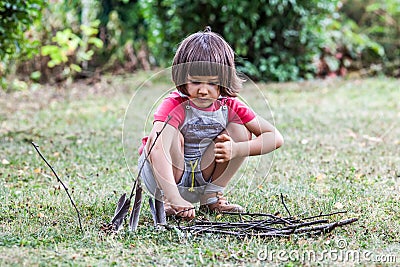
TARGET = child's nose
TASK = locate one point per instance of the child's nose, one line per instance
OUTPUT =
(203, 88)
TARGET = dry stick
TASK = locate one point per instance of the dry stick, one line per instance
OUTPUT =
(234, 224)
(121, 215)
(324, 215)
(238, 225)
(285, 220)
(283, 202)
(242, 234)
(178, 219)
(260, 225)
(61, 182)
(209, 227)
(257, 225)
(324, 228)
(296, 226)
(148, 154)
(205, 226)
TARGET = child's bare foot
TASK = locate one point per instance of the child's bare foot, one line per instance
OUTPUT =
(221, 205)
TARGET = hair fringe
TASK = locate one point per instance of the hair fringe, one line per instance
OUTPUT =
(206, 49)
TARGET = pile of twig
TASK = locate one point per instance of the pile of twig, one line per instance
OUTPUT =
(263, 225)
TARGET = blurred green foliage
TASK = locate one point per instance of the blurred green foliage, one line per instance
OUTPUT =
(70, 49)
(380, 21)
(274, 40)
(16, 17)
(124, 33)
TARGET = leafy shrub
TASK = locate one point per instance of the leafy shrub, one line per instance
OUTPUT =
(379, 20)
(124, 32)
(16, 17)
(71, 50)
(344, 48)
(275, 40)
(68, 43)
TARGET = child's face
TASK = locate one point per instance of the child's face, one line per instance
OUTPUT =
(203, 90)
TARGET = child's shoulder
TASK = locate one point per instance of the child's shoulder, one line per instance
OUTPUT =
(233, 102)
(176, 97)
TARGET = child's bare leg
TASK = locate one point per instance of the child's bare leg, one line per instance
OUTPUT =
(167, 163)
(222, 173)
(174, 153)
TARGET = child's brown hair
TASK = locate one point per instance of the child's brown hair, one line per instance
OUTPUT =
(206, 54)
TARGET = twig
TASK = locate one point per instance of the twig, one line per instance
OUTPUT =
(284, 220)
(283, 202)
(325, 215)
(147, 156)
(61, 182)
(119, 218)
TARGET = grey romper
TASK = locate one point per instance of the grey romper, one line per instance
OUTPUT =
(199, 129)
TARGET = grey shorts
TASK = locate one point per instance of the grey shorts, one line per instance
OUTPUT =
(188, 192)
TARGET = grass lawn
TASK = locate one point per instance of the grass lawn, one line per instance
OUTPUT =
(341, 152)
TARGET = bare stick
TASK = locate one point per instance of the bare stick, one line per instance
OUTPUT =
(283, 202)
(61, 182)
(119, 218)
(148, 154)
(324, 215)
(285, 220)
(272, 227)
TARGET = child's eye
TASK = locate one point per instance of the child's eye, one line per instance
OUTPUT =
(199, 82)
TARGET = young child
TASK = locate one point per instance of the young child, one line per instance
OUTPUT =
(208, 133)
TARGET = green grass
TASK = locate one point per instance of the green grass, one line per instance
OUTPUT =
(342, 147)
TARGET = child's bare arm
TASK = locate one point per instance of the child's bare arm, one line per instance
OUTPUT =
(267, 139)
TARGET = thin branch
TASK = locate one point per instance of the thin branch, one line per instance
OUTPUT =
(61, 182)
(284, 220)
(283, 202)
(148, 154)
(119, 218)
(324, 215)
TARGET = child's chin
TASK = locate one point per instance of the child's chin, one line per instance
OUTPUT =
(203, 103)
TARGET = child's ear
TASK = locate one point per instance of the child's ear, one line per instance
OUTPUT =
(221, 90)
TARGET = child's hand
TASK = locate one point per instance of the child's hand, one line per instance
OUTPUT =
(223, 149)
(183, 208)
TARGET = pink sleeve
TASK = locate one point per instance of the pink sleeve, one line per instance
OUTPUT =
(170, 106)
(239, 112)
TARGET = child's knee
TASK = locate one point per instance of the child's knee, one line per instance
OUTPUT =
(238, 132)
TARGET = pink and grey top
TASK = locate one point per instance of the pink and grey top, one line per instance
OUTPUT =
(199, 126)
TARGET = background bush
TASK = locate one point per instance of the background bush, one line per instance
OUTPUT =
(380, 20)
(16, 17)
(275, 40)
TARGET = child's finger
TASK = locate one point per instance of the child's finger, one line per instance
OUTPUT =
(223, 138)
(187, 213)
